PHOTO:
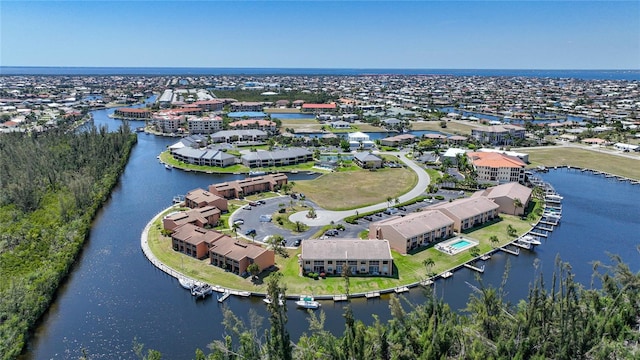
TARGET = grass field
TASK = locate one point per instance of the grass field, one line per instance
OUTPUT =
(556, 156)
(349, 190)
(453, 127)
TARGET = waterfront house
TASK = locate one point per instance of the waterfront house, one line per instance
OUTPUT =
(198, 198)
(247, 106)
(468, 212)
(240, 188)
(235, 256)
(194, 241)
(204, 124)
(497, 167)
(229, 136)
(333, 256)
(204, 156)
(401, 139)
(207, 215)
(129, 113)
(319, 108)
(263, 158)
(367, 160)
(408, 232)
(257, 124)
(498, 134)
(505, 196)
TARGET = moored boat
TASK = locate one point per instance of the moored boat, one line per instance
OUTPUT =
(186, 283)
(307, 302)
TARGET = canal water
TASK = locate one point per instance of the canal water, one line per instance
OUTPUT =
(114, 295)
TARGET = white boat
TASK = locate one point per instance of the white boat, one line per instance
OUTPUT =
(528, 239)
(267, 300)
(168, 167)
(307, 302)
(186, 283)
(201, 290)
(256, 173)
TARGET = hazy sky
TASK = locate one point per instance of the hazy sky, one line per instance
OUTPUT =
(322, 34)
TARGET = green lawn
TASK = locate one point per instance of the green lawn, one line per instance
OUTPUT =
(350, 190)
(555, 156)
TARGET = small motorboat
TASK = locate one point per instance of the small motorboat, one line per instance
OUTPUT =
(187, 283)
(307, 302)
(267, 300)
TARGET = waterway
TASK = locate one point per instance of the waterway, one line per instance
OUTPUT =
(114, 295)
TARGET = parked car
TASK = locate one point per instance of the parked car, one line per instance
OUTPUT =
(247, 207)
(261, 202)
(379, 214)
(332, 232)
(368, 217)
(253, 203)
(402, 208)
(391, 211)
(239, 221)
(250, 232)
(294, 196)
(297, 242)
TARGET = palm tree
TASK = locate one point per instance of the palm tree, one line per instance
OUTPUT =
(235, 228)
(253, 236)
(494, 240)
(517, 204)
(428, 264)
(474, 251)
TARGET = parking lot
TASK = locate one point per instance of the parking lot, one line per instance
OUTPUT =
(257, 216)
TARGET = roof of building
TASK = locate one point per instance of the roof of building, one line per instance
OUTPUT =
(495, 160)
(467, 207)
(242, 132)
(201, 196)
(195, 235)
(346, 249)
(512, 190)
(237, 250)
(416, 223)
(277, 154)
(318, 106)
(259, 122)
(365, 156)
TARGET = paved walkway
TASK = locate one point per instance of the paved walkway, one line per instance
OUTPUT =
(325, 217)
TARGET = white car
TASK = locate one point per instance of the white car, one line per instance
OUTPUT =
(239, 222)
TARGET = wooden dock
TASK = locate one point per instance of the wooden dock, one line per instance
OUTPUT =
(426, 282)
(515, 252)
(540, 227)
(478, 269)
(547, 221)
(372, 294)
(340, 297)
(446, 275)
(224, 296)
(401, 289)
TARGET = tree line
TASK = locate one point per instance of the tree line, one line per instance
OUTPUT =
(51, 186)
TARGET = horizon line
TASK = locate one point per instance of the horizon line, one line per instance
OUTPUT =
(306, 68)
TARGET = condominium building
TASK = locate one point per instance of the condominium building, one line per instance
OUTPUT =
(204, 124)
(411, 231)
(240, 188)
(333, 257)
(498, 134)
(497, 167)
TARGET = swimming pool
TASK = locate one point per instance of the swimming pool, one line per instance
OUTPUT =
(460, 244)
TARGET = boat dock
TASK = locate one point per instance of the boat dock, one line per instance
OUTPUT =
(224, 296)
(515, 252)
(372, 294)
(401, 289)
(544, 228)
(522, 245)
(485, 257)
(446, 275)
(340, 297)
(426, 282)
(478, 269)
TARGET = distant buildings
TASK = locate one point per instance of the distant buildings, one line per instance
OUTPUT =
(241, 188)
(131, 113)
(498, 134)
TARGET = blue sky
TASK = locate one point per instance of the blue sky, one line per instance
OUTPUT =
(322, 34)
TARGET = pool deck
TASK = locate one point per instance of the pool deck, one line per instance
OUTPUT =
(447, 248)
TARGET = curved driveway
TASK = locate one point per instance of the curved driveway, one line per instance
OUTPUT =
(325, 217)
